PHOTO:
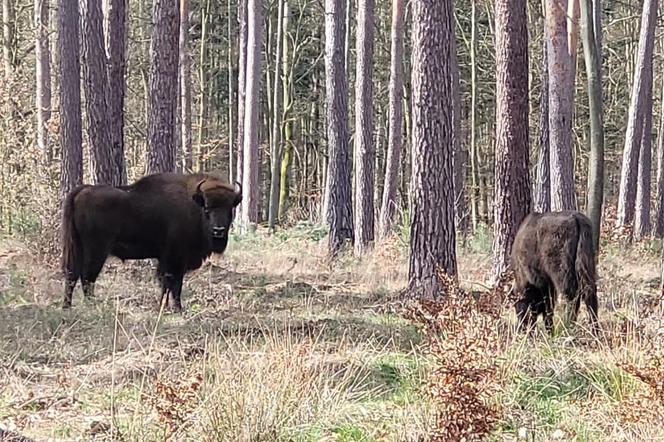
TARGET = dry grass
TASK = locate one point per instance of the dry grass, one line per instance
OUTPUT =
(276, 345)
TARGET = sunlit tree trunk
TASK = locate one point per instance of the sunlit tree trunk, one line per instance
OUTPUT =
(276, 146)
(395, 135)
(364, 144)
(43, 76)
(659, 197)
(250, 164)
(629, 171)
(116, 52)
(432, 233)
(241, 80)
(185, 89)
(642, 224)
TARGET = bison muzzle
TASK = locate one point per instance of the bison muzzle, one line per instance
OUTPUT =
(554, 253)
(179, 219)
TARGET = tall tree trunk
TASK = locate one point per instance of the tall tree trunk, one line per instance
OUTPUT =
(461, 219)
(543, 183)
(116, 51)
(276, 146)
(42, 76)
(70, 97)
(185, 89)
(287, 124)
(95, 85)
(340, 209)
(231, 103)
(163, 83)
(432, 235)
(395, 135)
(203, 101)
(628, 174)
(560, 106)
(241, 80)
(659, 198)
(642, 224)
(592, 51)
(250, 174)
(512, 188)
(365, 151)
(8, 28)
(474, 158)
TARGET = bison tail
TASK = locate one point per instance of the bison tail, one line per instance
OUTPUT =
(586, 265)
(71, 244)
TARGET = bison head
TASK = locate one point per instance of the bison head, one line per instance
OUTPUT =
(218, 202)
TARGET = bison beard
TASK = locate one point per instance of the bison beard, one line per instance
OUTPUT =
(554, 253)
(178, 219)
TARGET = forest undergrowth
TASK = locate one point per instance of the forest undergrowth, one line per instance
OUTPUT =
(276, 344)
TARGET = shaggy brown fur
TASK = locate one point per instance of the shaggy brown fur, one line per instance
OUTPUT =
(554, 253)
(177, 219)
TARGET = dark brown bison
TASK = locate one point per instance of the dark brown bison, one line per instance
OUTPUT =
(178, 219)
(554, 253)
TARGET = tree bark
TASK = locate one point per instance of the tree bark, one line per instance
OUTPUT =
(474, 158)
(461, 218)
(395, 135)
(95, 81)
(340, 210)
(241, 80)
(543, 183)
(163, 84)
(561, 83)
(592, 51)
(659, 198)
(116, 51)
(42, 76)
(432, 235)
(628, 173)
(642, 223)
(70, 97)
(365, 151)
(512, 187)
(276, 147)
(231, 138)
(250, 164)
(185, 89)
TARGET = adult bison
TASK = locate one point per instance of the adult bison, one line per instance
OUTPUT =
(178, 219)
(553, 253)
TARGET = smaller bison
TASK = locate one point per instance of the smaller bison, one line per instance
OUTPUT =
(554, 253)
(179, 219)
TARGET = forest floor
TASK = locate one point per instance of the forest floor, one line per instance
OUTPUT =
(275, 345)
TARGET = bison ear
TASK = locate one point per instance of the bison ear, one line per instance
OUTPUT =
(238, 194)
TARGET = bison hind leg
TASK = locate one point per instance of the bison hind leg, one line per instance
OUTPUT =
(94, 262)
(70, 285)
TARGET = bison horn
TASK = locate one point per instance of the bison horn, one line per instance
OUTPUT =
(238, 187)
(198, 188)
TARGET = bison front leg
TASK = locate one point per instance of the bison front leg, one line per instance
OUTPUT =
(171, 283)
(70, 284)
(525, 315)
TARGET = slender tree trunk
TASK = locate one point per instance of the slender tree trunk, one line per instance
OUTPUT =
(659, 198)
(276, 147)
(560, 106)
(185, 89)
(592, 52)
(628, 174)
(8, 28)
(474, 159)
(70, 97)
(395, 135)
(250, 180)
(642, 224)
(512, 189)
(365, 151)
(432, 235)
(461, 219)
(116, 51)
(163, 84)
(242, 68)
(340, 209)
(231, 138)
(43, 76)
(543, 186)
(203, 102)
(287, 125)
(95, 81)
